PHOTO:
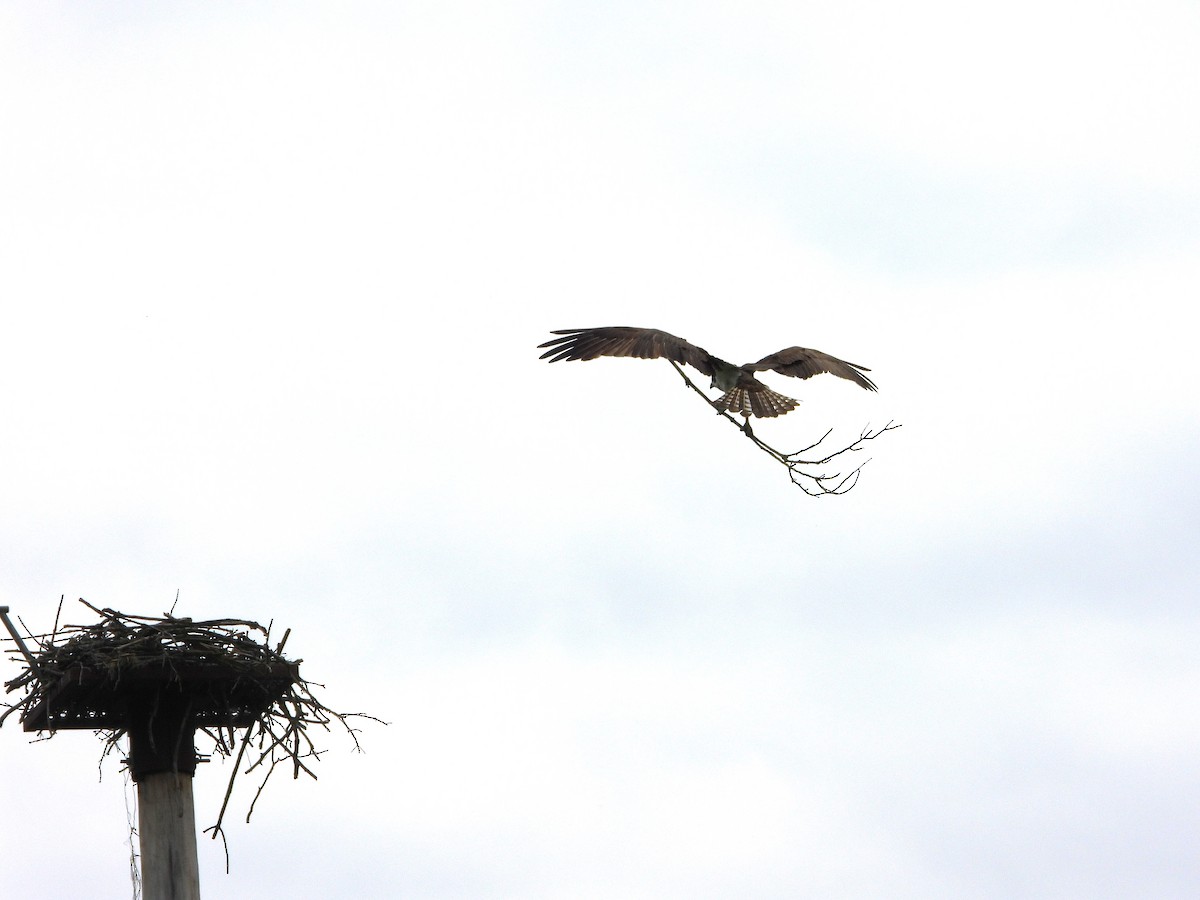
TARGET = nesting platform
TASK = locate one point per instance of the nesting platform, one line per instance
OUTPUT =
(217, 695)
(156, 679)
(161, 681)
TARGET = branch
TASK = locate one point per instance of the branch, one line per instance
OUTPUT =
(806, 474)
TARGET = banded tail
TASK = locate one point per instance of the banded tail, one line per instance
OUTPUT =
(763, 403)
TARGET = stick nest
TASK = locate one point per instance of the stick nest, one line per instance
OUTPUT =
(80, 676)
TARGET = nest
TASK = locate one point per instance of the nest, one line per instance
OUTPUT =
(222, 676)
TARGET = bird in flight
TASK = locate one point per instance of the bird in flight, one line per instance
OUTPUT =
(743, 393)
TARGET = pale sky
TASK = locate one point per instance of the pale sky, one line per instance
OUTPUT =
(272, 277)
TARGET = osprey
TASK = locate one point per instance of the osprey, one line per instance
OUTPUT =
(744, 393)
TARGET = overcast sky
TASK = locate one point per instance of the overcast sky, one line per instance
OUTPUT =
(272, 276)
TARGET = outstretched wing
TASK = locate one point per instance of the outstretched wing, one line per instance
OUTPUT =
(643, 343)
(800, 362)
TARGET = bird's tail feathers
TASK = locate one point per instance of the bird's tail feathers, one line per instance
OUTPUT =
(764, 403)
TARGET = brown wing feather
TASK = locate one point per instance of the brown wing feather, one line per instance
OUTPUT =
(643, 343)
(800, 362)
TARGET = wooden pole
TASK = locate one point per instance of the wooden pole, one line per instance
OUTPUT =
(167, 831)
(162, 760)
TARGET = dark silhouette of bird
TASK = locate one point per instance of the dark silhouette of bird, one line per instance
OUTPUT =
(743, 393)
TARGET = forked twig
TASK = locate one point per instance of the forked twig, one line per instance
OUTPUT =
(804, 473)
